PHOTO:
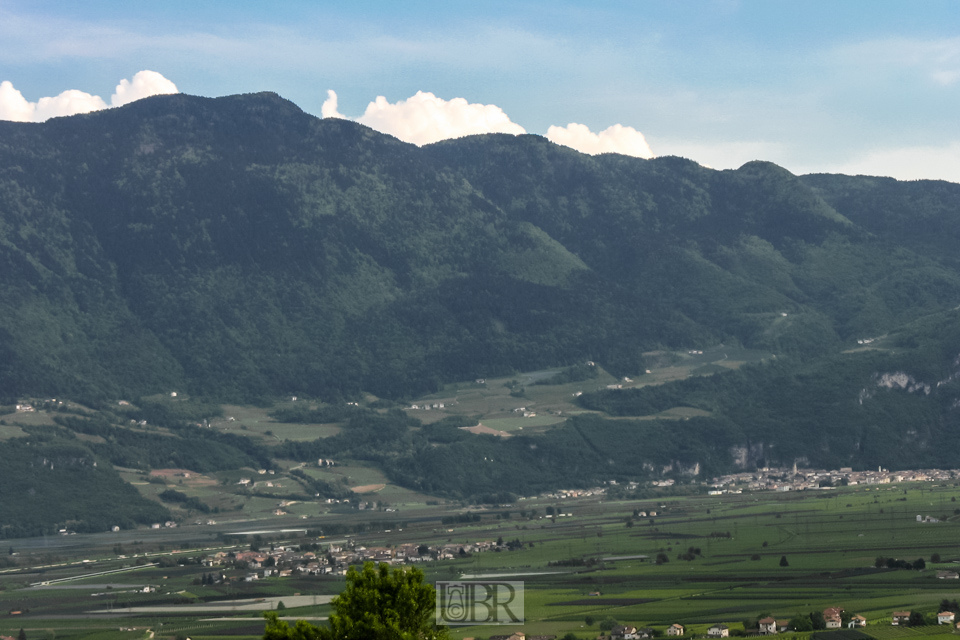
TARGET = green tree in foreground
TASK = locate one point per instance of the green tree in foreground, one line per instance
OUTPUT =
(377, 604)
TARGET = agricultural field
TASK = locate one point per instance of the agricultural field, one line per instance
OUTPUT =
(255, 422)
(729, 559)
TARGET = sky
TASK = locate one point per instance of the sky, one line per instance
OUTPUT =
(858, 87)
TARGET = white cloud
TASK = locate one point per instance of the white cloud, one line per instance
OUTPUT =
(144, 84)
(68, 103)
(615, 139)
(424, 118)
(329, 107)
(13, 106)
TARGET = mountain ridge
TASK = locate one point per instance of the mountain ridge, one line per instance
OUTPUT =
(142, 203)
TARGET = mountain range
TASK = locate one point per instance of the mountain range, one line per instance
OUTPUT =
(241, 250)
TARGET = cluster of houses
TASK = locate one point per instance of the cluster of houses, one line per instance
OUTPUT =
(782, 479)
(832, 617)
(618, 632)
(902, 618)
(288, 561)
(567, 494)
(26, 407)
(626, 632)
(428, 406)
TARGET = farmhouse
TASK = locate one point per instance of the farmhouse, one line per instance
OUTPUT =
(900, 618)
(768, 626)
(675, 630)
(945, 617)
(623, 632)
(718, 631)
(856, 622)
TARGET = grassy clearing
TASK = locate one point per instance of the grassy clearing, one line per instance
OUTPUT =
(493, 402)
(255, 422)
(518, 424)
(11, 431)
(31, 419)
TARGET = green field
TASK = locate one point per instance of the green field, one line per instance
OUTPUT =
(830, 540)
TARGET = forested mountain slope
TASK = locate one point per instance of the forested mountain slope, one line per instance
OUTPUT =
(240, 248)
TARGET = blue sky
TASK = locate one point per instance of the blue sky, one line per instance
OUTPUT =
(840, 86)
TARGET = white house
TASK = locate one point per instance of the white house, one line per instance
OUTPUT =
(768, 626)
(623, 632)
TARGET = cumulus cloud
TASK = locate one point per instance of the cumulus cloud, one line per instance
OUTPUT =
(13, 106)
(68, 103)
(144, 84)
(614, 139)
(425, 118)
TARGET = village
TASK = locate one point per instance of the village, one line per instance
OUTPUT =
(782, 479)
(282, 562)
